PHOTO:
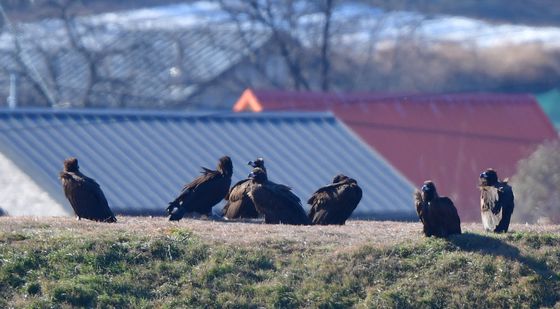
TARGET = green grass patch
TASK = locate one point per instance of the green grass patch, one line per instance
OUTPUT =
(177, 269)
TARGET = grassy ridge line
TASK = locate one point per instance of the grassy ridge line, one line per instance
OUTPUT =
(41, 267)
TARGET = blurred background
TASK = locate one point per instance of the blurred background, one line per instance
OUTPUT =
(202, 54)
(459, 86)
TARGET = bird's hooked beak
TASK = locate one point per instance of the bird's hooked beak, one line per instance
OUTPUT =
(252, 163)
(425, 188)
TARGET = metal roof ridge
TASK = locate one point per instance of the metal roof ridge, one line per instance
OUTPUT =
(167, 113)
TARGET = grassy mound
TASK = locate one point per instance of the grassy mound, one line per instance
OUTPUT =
(174, 267)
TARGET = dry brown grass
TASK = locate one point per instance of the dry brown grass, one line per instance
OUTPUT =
(354, 233)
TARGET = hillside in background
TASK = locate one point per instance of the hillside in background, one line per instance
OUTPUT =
(146, 263)
(31, 10)
(536, 13)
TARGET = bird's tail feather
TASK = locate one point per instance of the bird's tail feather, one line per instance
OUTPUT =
(176, 213)
(110, 219)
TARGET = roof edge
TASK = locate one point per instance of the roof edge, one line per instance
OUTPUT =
(167, 113)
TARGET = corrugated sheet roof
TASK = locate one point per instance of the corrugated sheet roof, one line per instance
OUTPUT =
(448, 138)
(142, 158)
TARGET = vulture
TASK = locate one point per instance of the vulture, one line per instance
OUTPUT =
(334, 203)
(496, 202)
(275, 201)
(239, 205)
(84, 194)
(203, 192)
(438, 215)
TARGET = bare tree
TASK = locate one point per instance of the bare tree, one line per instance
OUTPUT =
(22, 66)
(325, 63)
(281, 19)
(537, 186)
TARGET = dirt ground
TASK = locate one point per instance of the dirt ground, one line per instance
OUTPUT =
(250, 233)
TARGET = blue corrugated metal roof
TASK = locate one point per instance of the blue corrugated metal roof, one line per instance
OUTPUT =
(142, 158)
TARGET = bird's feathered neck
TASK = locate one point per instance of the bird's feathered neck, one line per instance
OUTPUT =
(65, 175)
(225, 167)
(259, 175)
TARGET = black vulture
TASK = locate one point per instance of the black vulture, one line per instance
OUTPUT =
(239, 205)
(438, 214)
(203, 192)
(497, 202)
(334, 203)
(2, 212)
(84, 194)
(275, 201)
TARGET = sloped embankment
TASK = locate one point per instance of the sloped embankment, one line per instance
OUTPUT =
(149, 262)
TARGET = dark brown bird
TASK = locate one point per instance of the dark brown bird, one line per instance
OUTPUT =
(438, 214)
(239, 205)
(275, 201)
(204, 192)
(497, 202)
(84, 194)
(334, 203)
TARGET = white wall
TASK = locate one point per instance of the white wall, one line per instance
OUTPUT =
(21, 196)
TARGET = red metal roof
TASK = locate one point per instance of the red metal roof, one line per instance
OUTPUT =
(447, 138)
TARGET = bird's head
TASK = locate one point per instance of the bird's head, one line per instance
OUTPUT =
(259, 162)
(429, 191)
(488, 178)
(71, 165)
(225, 166)
(339, 178)
(258, 175)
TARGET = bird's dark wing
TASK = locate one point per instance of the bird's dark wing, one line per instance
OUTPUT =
(71, 186)
(320, 193)
(323, 204)
(102, 212)
(205, 176)
(506, 203)
(506, 198)
(419, 205)
(86, 198)
(291, 210)
(449, 217)
(239, 205)
(186, 193)
(349, 196)
(200, 195)
(238, 190)
(285, 192)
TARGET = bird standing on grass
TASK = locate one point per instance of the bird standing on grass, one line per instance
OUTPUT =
(239, 205)
(276, 202)
(496, 202)
(334, 203)
(203, 192)
(84, 194)
(438, 214)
